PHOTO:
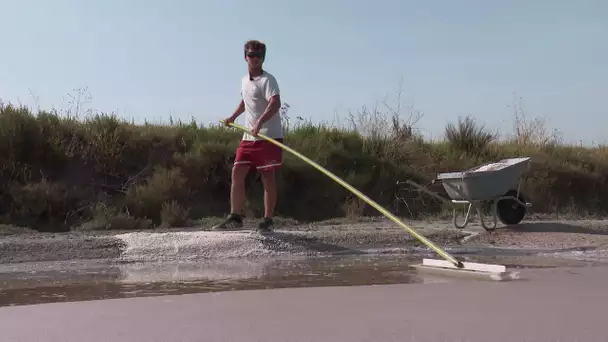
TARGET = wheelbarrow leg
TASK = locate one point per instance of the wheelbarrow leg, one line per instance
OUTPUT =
(466, 217)
(482, 221)
(477, 206)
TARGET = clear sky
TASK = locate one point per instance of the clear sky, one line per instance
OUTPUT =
(154, 59)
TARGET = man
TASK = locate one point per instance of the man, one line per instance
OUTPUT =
(261, 100)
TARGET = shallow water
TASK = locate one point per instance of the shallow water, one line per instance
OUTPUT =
(75, 281)
(32, 283)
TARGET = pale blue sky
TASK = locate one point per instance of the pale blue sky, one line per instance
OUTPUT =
(152, 59)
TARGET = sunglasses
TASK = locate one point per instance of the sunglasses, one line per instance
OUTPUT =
(255, 54)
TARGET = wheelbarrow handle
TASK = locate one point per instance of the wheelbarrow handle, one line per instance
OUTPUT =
(426, 190)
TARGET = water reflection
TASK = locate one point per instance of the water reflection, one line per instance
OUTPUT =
(90, 280)
(41, 285)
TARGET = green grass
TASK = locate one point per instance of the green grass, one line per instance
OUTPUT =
(59, 173)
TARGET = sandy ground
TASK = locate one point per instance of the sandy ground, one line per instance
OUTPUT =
(547, 234)
(295, 239)
(550, 305)
(564, 303)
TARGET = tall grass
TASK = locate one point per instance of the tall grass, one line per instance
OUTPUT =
(59, 173)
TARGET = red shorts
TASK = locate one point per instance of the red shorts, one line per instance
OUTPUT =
(261, 154)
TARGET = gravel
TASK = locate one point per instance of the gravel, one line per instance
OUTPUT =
(195, 243)
(547, 234)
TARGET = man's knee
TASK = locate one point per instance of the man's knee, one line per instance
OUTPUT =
(239, 172)
(268, 176)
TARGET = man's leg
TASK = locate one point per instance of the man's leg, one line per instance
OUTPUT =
(242, 165)
(237, 189)
(270, 192)
(273, 159)
(270, 199)
(237, 198)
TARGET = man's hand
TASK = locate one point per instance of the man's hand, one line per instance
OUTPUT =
(256, 129)
(240, 109)
(274, 104)
(228, 120)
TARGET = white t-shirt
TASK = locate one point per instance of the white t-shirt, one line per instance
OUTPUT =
(256, 94)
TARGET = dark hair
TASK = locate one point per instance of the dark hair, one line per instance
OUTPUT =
(255, 45)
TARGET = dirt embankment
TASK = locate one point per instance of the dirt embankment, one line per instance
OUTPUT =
(369, 237)
(59, 173)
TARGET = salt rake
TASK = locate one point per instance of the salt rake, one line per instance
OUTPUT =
(450, 266)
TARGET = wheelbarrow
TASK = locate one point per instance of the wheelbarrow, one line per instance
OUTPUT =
(497, 182)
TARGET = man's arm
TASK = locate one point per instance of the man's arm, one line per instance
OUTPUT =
(273, 107)
(240, 109)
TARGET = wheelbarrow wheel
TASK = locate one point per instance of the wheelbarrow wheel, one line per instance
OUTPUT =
(509, 211)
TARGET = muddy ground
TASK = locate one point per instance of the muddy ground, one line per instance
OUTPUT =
(326, 237)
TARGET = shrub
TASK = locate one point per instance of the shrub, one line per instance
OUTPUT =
(59, 173)
(146, 200)
(109, 218)
(468, 136)
(173, 215)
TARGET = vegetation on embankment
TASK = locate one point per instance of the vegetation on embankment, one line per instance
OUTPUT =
(59, 173)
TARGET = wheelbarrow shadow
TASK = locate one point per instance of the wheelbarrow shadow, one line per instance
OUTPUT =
(289, 242)
(555, 227)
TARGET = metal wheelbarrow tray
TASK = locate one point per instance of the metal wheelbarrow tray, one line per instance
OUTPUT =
(498, 182)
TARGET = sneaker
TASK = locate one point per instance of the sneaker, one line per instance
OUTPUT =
(265, 226)
(232, 222)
